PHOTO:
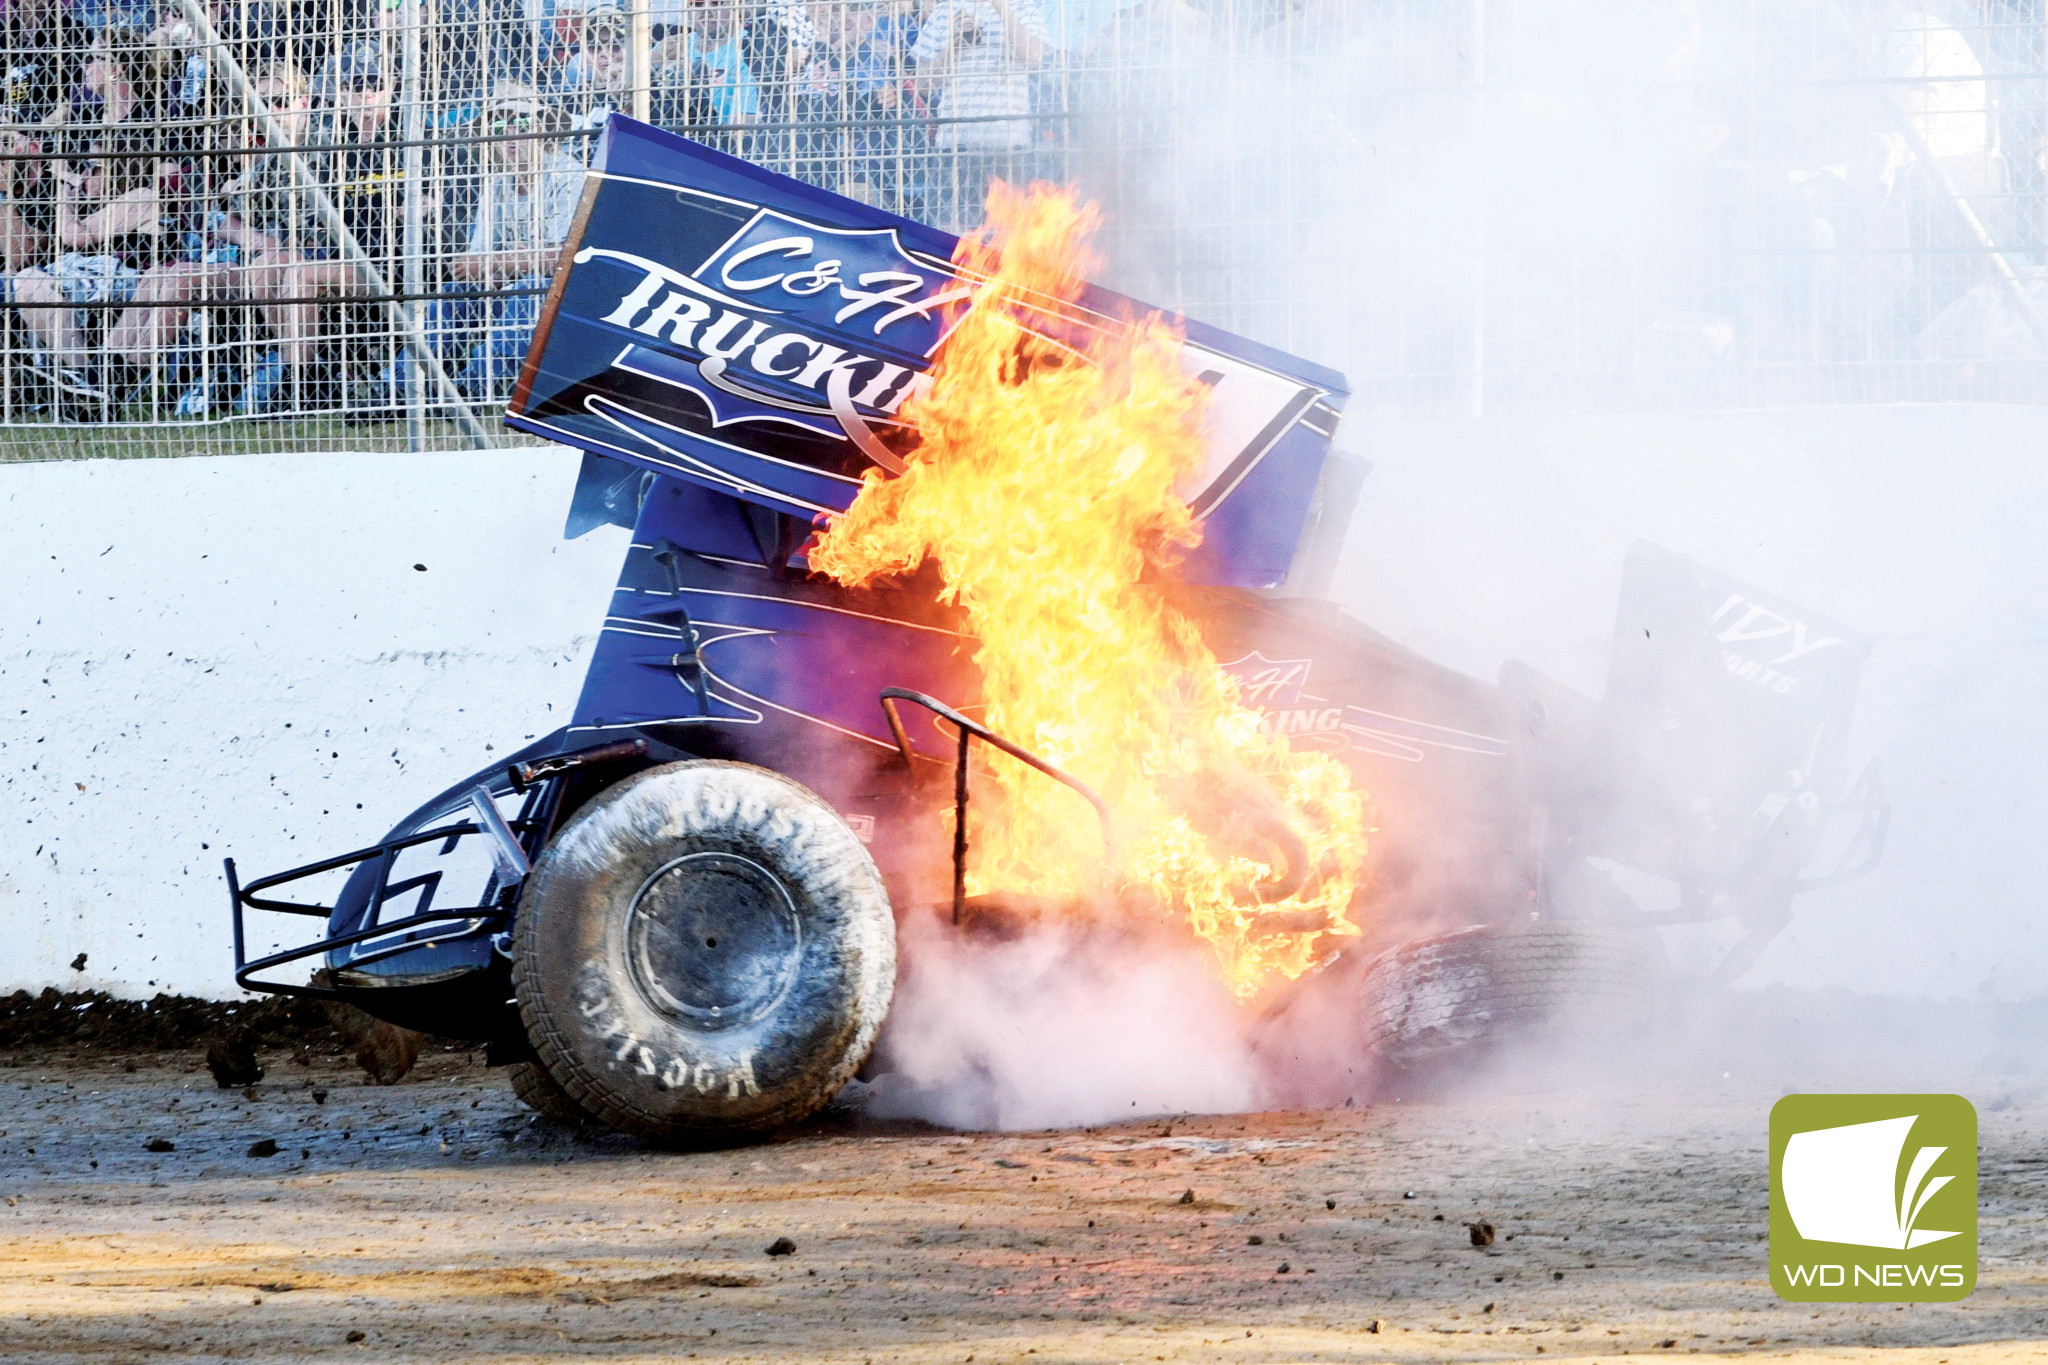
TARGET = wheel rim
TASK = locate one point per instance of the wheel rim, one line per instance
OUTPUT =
(713, 940)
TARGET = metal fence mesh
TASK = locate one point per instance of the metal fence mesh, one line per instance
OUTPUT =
(326, 224)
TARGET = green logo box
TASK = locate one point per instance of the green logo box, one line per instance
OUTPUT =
(1873, 1198)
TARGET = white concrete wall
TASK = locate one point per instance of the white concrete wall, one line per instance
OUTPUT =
(202, 657)
(213, 656)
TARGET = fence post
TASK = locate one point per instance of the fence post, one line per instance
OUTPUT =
(1480, 170)
(415, 242)
(642, 75)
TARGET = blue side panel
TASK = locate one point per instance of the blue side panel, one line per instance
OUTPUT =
(782, 661)
(728, 327)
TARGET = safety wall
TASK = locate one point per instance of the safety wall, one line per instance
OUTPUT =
(242, 655)
(264, 657)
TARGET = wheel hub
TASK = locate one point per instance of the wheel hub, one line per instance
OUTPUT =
(713, 940)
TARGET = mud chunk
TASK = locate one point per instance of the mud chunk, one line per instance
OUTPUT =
(78, 963)
(1255, 1240)
(319, 1097)
(1284, 1268)
(386, 1052)
(1376, 1326)
(159, 1145)
(1329, 1203)
(1482, 1233)
(781, 1246)
(1187, 1196)
(231, 1057)
(354, 1336)
(263, 1147)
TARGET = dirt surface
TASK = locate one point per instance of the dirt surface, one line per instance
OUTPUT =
(440, 1221)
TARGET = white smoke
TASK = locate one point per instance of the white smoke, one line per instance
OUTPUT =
(1059, 1027)
(1502, 230)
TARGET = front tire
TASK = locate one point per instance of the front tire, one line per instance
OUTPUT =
(1462, 995)
(704, 952)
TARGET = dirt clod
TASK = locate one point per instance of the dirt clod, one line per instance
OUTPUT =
(387, 1052)
(1284, 1268)
(781, 1246)
(1187, 1196)
(1482, 1233)
(384, 1051)
(354, 1336)
(1255, 1240)
(1329, 1203)
(1376, 1326)
(263, 1147)
(159, 1145)
(78, 963)
(231, 1057)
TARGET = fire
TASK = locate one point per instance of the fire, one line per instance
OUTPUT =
(1043, 487)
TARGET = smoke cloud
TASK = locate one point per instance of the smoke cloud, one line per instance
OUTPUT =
(1065, 1025)
(1599, 273)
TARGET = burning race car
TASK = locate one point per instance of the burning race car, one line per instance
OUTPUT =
(678, 914)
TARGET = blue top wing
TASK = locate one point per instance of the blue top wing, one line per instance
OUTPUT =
(722, 324)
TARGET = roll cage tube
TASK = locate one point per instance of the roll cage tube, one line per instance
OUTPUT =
(514, 845)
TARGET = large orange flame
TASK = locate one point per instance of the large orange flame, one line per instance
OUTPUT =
(1043, 487)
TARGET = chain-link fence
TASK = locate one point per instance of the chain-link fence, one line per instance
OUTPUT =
(327, 224)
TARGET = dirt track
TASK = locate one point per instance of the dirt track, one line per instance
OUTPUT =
(437, 1221)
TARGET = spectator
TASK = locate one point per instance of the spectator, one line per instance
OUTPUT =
(221, 247)
(115, 84)
(45, 58)
(101, 15)
(28, 212)
(109, 224)
(977, 55)
(595, 79)
(297, 259)
(892, 145)
(828, 96)
(109, 218)
(716, 47)
(859, 133)
(777, 42)
(523, 217)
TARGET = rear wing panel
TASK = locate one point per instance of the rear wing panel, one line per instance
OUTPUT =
(721, 324)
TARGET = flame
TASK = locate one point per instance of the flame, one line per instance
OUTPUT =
(1043, 487)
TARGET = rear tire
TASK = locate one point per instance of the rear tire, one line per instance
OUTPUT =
(533, 1087)
(1466, 993)
(704, 953)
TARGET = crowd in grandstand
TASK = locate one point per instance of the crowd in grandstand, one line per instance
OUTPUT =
(244, 167)
(213, 208)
